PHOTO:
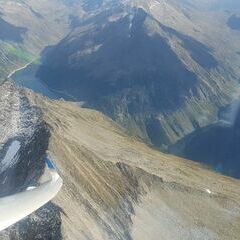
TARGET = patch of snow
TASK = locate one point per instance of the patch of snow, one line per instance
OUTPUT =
(130, 22)
(208, 191)
(131, 17)
(90, 50)
(156, 4)
(116, 17)
(31, 188)
(80, 104)
(8, 160)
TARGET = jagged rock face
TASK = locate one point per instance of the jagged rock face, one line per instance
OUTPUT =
(117, 188)
(23, 140)
(44, 224)
(152, 66)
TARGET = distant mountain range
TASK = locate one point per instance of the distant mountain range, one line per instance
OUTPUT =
(160, 68)
(168, 72)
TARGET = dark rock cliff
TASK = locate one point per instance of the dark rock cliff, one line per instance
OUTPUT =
(24, 140)
(44, 224)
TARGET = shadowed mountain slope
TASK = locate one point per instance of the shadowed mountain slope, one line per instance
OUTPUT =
(118, 188)
(158, 68)
(216, 145)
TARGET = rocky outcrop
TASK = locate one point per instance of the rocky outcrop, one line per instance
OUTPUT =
(24, 138)
(117, 188)
(44, 224)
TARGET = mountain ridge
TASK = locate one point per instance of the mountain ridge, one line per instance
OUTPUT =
(122, 180)
(149, 72)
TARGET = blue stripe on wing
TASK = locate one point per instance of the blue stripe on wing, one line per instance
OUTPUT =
(49, 163)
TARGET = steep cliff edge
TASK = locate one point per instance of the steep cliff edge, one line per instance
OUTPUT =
(24, 140)
(116, 187)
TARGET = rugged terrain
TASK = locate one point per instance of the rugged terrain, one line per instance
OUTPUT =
(115, 186)
(161, 69)
(23, 143)
(28, 26)
(158, 68)
(118, 188)
(23, 140)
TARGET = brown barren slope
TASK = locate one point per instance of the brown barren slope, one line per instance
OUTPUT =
(116, 187)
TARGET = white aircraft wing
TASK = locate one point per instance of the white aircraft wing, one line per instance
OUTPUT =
(16, 207)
